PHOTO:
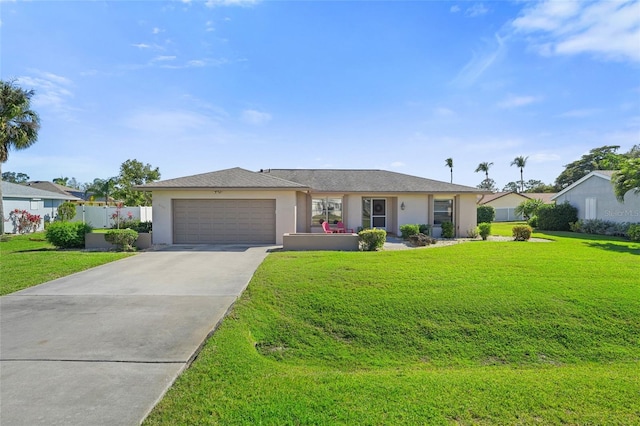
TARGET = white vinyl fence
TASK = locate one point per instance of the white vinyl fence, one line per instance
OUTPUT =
(507, 214)
(102, 216)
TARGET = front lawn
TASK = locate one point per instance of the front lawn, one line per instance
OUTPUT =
(473, 333)
(28, 260)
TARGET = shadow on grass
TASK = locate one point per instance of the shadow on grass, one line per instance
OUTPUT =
(615, 247)
(580, 236)
(36, 250)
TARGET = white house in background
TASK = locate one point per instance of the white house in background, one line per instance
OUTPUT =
(505, 203)
(594, 198)
(33, 200)
(241, 206)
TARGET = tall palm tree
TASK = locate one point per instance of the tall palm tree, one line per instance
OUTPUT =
(19, 125)
(484, 167)
(520, 161)
(449, 164)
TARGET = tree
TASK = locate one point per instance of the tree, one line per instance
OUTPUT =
(533, 185)
(19, 125)
(627, 178)
(101, 188)
(61, 181)
(14, 177)
(133, 173)
(528, 208)
(603, 158)
(520, 162)
(449, 164)
(484, 167)
(510, 187)
(488, 185)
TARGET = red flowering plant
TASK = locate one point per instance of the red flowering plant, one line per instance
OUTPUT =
(119, 221)
(24, 222)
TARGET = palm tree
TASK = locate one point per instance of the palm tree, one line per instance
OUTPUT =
(449, 164)
(484, 167)
(520, 161)
(19, 125)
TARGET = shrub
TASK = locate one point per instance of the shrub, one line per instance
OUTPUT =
(372, 239)
(485, 230)
(67, 234)
(634, 232)
(408, 230)
(486, 214)
(522, 232)
(123, 238)
(556, 217)
(533, 221)
(473, 232)
(24, 222)
(447, 230)
(421, 240)
(528, 208)
(424, 229)
(66, 211)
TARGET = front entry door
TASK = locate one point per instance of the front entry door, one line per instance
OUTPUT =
(379, 213)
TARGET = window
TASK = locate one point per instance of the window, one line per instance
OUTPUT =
(329, 209)
(35, 204)
(442, 211)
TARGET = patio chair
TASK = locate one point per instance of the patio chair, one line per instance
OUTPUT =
(327, 228)
(342, 229)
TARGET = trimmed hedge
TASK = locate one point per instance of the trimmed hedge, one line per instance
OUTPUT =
(67, 234)
(123, 238)
(447, 230)
(408, 230)
(521, 233)
(486, 214)
(372, 239)
(556, 217)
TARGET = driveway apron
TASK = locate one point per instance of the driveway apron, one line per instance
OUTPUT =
(101, 347)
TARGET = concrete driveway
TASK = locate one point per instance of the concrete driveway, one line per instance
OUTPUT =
(101, 347)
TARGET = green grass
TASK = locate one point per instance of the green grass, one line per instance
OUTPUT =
(473, 333)
(504, 228)
(28, 260)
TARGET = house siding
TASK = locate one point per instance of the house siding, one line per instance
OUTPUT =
(46, 208)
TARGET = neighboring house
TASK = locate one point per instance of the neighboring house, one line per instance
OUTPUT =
(594, 198)
(82, 196)
(241, 206)
(505, 203)
(33, 200)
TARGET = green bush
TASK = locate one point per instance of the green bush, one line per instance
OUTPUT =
(67, 234)
(408, 230)
(136, 225)
(424, 229)
(447, 230)
(123, 238)
(600, 227)
(556, 217)
(533, 221)
(486, 214)
(372, 239)
(485, 230)
(634, 232)
(66, 211)
(522, 232)
(473, 232)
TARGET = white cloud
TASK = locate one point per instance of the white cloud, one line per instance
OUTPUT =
(480, 62)
(610, 30)
(51, 91)
(164, 58)
(243, 3)
(443, 112)
(255, 117)
(476, 10)
(454, 9)
(141, 46)
(397, 164)
(518, 101)
(156, 30)
(209, 26)
(544, 157)
(580, 113)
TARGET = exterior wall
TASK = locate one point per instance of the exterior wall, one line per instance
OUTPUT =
(163, 217)
(607, 206)
(416, 210)
(466, 214)
(46, 208)
(343, 242)
(507, 201)
(303, 207)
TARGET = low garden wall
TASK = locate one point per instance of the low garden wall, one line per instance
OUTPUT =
(339, 242)
(96, 241)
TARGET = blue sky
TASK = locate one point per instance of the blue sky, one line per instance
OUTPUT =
(194, 86)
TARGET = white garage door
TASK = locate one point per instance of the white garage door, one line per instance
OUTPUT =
(224, 221)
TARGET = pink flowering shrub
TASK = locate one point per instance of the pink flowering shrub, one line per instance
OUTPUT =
(25, 222)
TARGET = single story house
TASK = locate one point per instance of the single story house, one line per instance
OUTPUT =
(242, 206)
(83, 197)
(594, 198)
(35, 201)
(505, 203)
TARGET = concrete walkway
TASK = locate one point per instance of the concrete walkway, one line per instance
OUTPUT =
(102, 346)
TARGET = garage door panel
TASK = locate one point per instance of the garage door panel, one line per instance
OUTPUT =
(224, 221)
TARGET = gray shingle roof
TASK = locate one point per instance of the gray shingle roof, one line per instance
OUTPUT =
(328, 180)
(235, 178)
(61, 189)
(13, 190)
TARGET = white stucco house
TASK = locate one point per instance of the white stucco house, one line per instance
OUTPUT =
(242, 206)
(35, 201)
(505, 203)
(594, 198)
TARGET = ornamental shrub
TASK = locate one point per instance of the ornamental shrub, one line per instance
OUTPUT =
(372, 239)
(533, 221)
(485, 230)
(66, 211)
(556, 217)
(522, 232)
(123, 238)
(447, 230)
(408, 230)
(24, 222)
(67, 234)
(424, 229)
(473, 232)
(634, 232)
(486, 214)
